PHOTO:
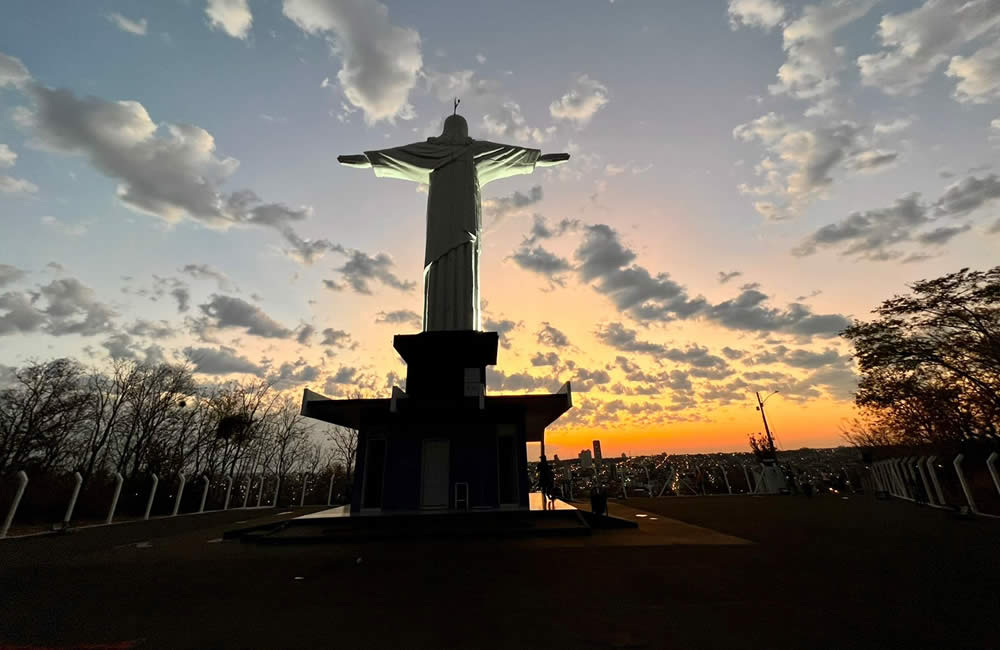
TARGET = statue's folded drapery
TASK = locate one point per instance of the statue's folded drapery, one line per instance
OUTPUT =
(454, 173)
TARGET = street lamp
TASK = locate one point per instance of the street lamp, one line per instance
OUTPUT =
(760, 407)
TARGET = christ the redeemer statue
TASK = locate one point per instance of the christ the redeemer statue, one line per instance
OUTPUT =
(455, 167)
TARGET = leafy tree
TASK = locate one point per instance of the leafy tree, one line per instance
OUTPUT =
(930, 362)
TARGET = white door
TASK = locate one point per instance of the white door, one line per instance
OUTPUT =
(435, 474)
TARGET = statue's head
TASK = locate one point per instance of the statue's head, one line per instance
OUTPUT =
(455, 131)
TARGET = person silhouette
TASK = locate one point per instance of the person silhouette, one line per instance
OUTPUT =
(545, 479)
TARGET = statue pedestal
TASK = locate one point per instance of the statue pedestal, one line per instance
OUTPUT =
(442, 444)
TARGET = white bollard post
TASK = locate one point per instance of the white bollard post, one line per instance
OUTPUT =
(934, 479)
(277, 487)
(876, 478)
(957, 464)
(229, 490)
(912, 476)
(22, 482)
(893, 479)
(180, 493)
(898, 475)
(923, 479)
(900, 465)
(329, 493)
(152, 493)
(877, 469)
(305, 481)
(77, 482)
(204, 494)
(991, 464)
(726, 478)
(114, 499)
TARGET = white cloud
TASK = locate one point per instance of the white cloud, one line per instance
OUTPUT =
(916, 43)
(7, 157)
(978, 76)
(481, 58)
(765, 14)
(994, 137)
(581, 102)
(380, 61)
(894, 126)
(231, 16)
(799, 161)
(171, 171)
(12, 71)
(507, 121)
(325, 82)
(137, 27)
(813, 60)
(872, 160)
(11, 185)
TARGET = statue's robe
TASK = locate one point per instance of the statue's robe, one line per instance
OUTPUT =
(455, 173)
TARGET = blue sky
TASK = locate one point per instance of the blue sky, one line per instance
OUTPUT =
(829, 153)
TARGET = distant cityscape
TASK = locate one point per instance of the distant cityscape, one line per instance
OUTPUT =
(836, 470)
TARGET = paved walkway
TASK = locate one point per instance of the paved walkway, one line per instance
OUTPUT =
(820, 573)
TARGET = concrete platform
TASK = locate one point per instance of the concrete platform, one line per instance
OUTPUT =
(544, 518)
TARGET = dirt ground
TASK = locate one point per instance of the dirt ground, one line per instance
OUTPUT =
(701, 572)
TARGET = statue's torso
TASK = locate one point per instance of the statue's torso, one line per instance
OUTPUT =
(453, 207)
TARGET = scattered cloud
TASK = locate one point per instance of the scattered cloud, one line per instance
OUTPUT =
(10, 274)
(13, 72)
(231, 16)
(581, 102)
(362, 269)
(725, 277)
(11, 185)
(227, 311)
(305, 334)
(549, 335)
(221, 361)
(379, 61)
(916, 43)
(799, 161)
(813, 61)
(337, 339)
(764, 14)
(502, 327)
(502, 207)
(508, 122)
(7, 156)
(892, 127)
(873, 234)
(206, 271)
(137, 27)
(170, 171)
(400, 317)
(978, 75)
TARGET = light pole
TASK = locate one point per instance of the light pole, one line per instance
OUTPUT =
(760, 407)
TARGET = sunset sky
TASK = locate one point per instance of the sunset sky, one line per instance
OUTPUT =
(746, 177)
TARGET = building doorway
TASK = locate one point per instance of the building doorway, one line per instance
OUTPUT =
(435, 474)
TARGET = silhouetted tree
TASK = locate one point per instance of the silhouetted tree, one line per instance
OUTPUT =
(930, 362)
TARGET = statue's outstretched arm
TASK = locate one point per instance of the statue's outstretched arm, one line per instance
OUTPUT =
(360, 161)
(551, 159)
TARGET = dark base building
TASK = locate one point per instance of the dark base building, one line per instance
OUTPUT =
(442, 444)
